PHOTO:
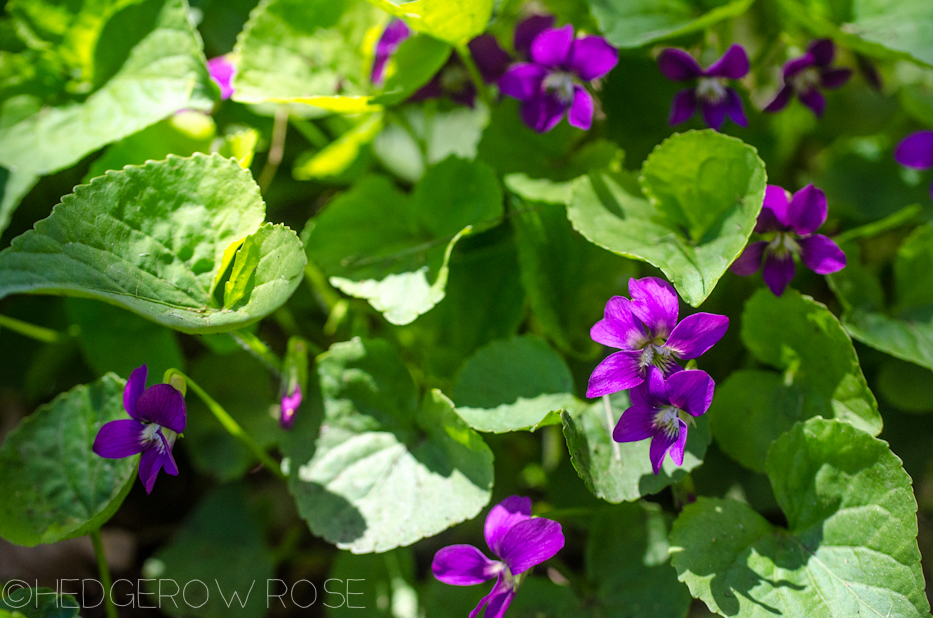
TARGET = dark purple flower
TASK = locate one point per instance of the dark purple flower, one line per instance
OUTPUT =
(289, 404)
(518, 539)
(396, 32)
(790, 222)
(716, 100)
(222, 72)
(527, 30)
(646, 332)
(916, 151)
(454, 81)
(808, 73)
(548, 86)
(661, 409)
(157, 416)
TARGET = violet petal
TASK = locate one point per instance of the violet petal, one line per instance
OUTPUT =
(780, 101)
(734, 108)
(750, 261)
(636, 423)
(462, 565)
(778, 272)
(822, 50)
(592, 57)
(660, 444)
(652, 393)
(617, 372)
(168, 459)
(714, 114)
(501, 587)
(163, 405)
(543, 112)
(527, 30)
(491, 60)
(916, 150)
(813, 99)
(434, 89)
(732, 65)
(683, 106)
(522, 81)
(581, 110)
(677, 65)
(773, 216)
(619, 328)
(221, 71)
(395, 33)
(654, 303)
(119, 439)
(821, 255)
(499, 600)
(150, 463)
(502, 517)
(807, 210)
(691, 391)
(696, 334)
(531, 542)
(796, 65)
(834, 78)
(551, 48)
(677, 448)
(135, 385)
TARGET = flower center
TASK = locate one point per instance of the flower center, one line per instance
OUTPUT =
(454, 78)
(711, 89)
(783, 244)
(807, 79)
(561, 84)
(667, 417)
(655, 353)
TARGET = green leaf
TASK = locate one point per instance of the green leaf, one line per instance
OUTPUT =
(221, 537)
(512, 385)
(627, 559)
(155, 240)
(54, 486)
(38, 603)
(622, 472)
(567, 278)
(906, 386)
(820, 376)
(241, 385)
(705, 192)
(377, 448)
(307, 51)
(633, 23)
(374, 242)
(379, 584)
(335, 158)
(412, 65)
(453, 21)
(850, 548)
(13, 188)
(159, 69)
(104, 331)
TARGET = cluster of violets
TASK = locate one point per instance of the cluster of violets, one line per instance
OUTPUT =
(650, 341)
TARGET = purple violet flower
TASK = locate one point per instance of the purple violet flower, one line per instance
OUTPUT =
(916, 151)
(527, 31)
(518, 539)
(808, 73)
(157, 416)
(661, 409)
(716, 100)
(646, 332)
(289, 405)
(454, 81)
(548, 86)
(792, 220)
(222, 72)
(396, 32)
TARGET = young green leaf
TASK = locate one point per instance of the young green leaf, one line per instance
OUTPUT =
(850, 548)
(54, 486)
(155, 240)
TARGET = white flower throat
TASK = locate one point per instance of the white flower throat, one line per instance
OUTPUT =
(561, 84)
(711, 89)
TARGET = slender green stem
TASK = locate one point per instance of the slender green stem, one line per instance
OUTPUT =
(233, 428)
(104, 571)
(464, 52)
(276, 148)
(318, 282)
(39, 333)
(255, 346)
(901, 217)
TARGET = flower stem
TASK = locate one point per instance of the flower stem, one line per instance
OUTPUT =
(39, 333)
(464, 52)
(233, 428)
(276, 149)
(255, 346)
(104, 571)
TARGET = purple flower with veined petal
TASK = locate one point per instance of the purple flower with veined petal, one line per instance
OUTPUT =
(661, 409)
(289, 405)
(790, 221)
(916, 151)
(548, 86)
(808, 73)
(716, 100)
(157, 416)
(396, 32)
(222, 71)
(646, 333)
(518, 539)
